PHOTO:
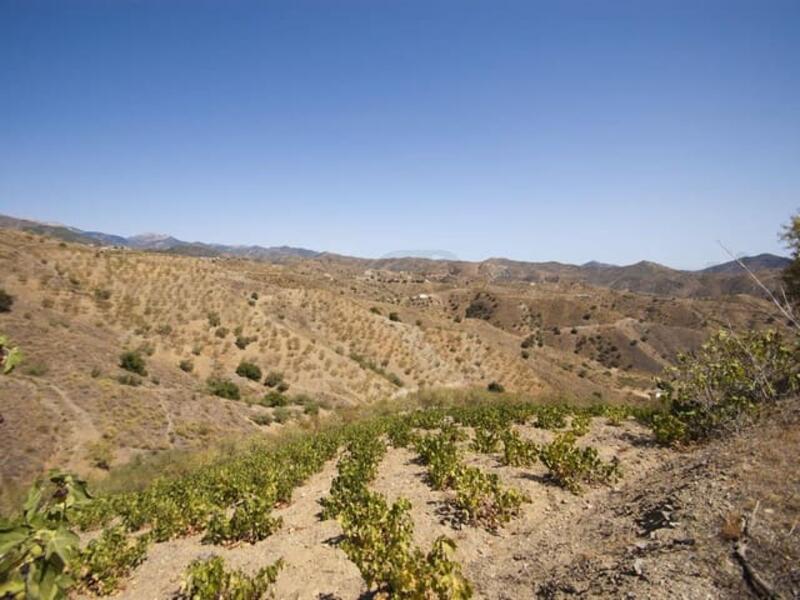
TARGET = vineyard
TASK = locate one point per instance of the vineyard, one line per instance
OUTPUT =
(477, 470)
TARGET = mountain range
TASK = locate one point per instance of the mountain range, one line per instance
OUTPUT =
(644, 276)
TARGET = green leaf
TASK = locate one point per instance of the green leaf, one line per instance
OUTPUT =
(11, 538)
(32, 502)
(63, 543)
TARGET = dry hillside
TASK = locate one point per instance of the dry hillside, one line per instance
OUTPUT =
(337, 333)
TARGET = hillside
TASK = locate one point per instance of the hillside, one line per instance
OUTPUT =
(336, 335)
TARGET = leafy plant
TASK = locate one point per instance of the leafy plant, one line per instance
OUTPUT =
(273, 378)
(570, 465)
(37, 548)
(727, 382)
(209, 580)
(6, 301)
(224, 388)
(10, 357)
(186, 365)
(251, 521)
(110, 558)
(249, 370)
(134, 362)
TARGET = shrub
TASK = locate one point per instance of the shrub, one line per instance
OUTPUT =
(393, 316)
(249, 370)
(273, 378)
(274, 398)
(131, 380)
(224, 388)
(6, 301)
(251, 522)
(724, 384)
(261, 419)
(209, 580)
(134, 362)
(282, 414)
(102, 294)
(495, 387)
(375, 310)
(110, 558)
(213, 319)
(570, 466)
(221, 332)
(186, 365)
(242, 341)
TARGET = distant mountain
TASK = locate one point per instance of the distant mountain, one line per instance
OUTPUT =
(156, 242)
(644, 276)
(762, 262)
(430, 254)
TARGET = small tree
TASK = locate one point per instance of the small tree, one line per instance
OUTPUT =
(791, 275)
(6, 300)
(273, 378)
(134, 362)
(249, 370)
(223, 388)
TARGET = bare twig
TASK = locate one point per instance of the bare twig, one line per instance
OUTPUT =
(785, 309)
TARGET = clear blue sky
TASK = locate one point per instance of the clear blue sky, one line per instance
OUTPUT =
(613, 131)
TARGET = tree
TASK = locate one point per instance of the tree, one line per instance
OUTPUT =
(791, 275)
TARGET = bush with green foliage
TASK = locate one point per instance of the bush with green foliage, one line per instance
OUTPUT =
(10, 356)
(213, 319)
(110, 558)
(791, 275)
(224, 388)
(38, 547)
(208, 579)
(274, 398)
(6, 301)
(570, 465)
(134, 362)
(273, 378)
(249, 370)
(725, 384)
(252, 521)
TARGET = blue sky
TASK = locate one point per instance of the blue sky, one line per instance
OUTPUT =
(570, 130)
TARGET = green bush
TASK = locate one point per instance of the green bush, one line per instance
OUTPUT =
(186, 365)
(207, 579)
(213, 319)
(224, 388)
(570, 465)
(273, 378)
(131, 380)
(110, 558)
(282, 414)
(723, 385)
(248, 370)
(274, 398)
(134, 362)
(495, 387)
(6, 301)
